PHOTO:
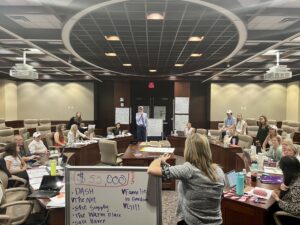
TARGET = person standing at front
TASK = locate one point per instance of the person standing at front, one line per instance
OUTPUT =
(141, 119)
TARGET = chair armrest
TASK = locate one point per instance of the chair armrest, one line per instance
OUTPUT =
(24, 208)
(5, 219)
(120, 154)
(3, 144)
(18, 179)
(16, 194)
(283, 213)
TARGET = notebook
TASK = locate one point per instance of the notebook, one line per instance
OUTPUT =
(49, 187)
(230, 178)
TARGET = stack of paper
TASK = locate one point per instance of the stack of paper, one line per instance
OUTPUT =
(57, 202)
(158, 150)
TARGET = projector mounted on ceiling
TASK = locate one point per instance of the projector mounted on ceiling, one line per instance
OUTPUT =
(278, 72)
(23, 71)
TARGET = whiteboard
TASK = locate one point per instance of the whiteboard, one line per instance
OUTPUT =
(155, 127)
(181, 121)
(112, 196)
(122, 115)
(182, 104)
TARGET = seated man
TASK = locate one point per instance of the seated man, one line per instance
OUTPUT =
(37, 146)
(26, 156)
(229, 122)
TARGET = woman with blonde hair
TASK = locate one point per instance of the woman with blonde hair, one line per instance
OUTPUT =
(74, 134)
(201, 182)
(288, 148)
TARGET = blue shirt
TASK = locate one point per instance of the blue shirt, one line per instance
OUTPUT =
(229, 121)
(141, 119)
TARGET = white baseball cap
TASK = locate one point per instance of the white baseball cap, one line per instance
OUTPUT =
(36, 134)
(229, 111)
(273, 127)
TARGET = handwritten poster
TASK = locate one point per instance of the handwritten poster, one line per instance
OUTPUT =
(182, 105)
(112, 196)
(122, 115)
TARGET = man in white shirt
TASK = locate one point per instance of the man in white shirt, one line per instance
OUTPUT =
(141, 119)
(37, 146)
(189, 130)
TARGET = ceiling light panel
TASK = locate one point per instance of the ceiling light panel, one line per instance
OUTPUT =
(36, 21)
(272, 22)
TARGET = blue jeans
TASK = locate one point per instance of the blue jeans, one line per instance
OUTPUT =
(141, 133)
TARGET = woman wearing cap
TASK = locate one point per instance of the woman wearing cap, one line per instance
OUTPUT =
(272, 133)
(14, 163)
(37, 147)
(74, 135)
(201, 182)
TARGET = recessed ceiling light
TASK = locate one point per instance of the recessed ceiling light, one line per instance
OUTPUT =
(19, 58)
(156, 16)
(196, 38)
(271, 52)
(178, 65)
(112, 38)
(196, 54)
(110, 54)
(152, 71)
(127, 64)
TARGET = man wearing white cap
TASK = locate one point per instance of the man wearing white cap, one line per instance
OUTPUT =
(37, 147)
(141, 119)
(229, 122)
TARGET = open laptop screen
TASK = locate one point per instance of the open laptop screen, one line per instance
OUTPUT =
(51, 183)
(231, 178)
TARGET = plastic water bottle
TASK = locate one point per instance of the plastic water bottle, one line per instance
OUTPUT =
(53, 167)
(240, 183)
(260, 161)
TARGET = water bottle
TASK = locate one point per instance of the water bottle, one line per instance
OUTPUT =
(53, 167)
(260, 161)
(240, 183)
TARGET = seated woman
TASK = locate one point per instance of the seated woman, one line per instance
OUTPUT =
(197, 173)
(59, 138)
(241, 124)
(189, 130)
(272, 133)
(14, 162)
(74, 135)
(233, 137)
(288, 148)
(275, 151)
(289, 197)
(90, 133)
(117, 129)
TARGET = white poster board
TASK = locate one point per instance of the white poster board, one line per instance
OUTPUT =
(112, 196)
(182, 105)
(181, 121)
(122, 115)
(155, 127)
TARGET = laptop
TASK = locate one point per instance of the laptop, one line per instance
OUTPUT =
(49, 187)
(230, 178)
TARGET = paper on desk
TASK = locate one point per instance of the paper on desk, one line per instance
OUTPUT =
(269, 192)
(158, 150)
(40, 172)
(57, 202)
(272, 170)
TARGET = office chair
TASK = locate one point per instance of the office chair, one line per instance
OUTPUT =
(2, 124)
(6, 136)
(30, 123)
(24, 133)
(294, 125)
(215, 134)
(109, 130)
(109, 153)
(279, 214)
(201, 131)
(252, 130)
(44, 130)
(245, 141)
(45, 122)
(272, 122)
(251, 121)
(5, 220)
